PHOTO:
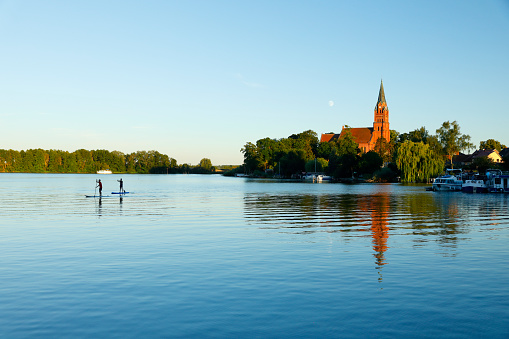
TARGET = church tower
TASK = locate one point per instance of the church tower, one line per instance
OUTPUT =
(381, 122)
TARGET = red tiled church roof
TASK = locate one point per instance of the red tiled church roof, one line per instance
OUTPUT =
(328, 137)
(362, 134)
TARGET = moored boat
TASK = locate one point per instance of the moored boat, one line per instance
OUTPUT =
(316, 177)
(498, 181)
(475, 185)
(309, 177)
(323, 177)
(451, 181)
(107, 171)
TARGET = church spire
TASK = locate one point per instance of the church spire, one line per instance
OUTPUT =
(381, 94)
(381, 122)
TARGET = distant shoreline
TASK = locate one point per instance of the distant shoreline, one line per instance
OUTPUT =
(89, 162)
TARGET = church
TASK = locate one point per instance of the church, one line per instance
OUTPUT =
(366, 137)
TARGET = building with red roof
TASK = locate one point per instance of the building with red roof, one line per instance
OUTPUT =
(366, 137)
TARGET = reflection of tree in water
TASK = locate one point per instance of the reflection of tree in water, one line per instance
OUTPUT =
(424, 217)
(436, 218)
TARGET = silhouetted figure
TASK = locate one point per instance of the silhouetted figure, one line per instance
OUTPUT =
(100, 185)
(121, 186)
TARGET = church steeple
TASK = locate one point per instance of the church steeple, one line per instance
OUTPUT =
(381, 121)
(381, 94)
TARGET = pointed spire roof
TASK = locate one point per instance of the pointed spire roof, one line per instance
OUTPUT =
(381, 94)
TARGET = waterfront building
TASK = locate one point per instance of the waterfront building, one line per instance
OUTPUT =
(466, 159)
(367, 137)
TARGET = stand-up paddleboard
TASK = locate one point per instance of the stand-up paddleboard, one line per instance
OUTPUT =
(97, 196)
(119, 192)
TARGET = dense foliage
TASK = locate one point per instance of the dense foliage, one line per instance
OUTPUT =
(492, 144)
(415, 156)
(418, 162)
(284, 156)
(452, 140)
(304, 153)
(84, 161)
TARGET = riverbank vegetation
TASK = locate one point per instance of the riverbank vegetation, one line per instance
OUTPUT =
(84, 161)
(415, 156)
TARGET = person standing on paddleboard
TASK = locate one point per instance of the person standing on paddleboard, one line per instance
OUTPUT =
(100, 185)
(121, 186)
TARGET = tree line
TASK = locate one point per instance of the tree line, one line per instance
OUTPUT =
(415, 156)
(85, 161)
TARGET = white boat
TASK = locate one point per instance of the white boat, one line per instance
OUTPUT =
(107, 171)
(309, 177)
(498, 181)
(321, 178)
(475, 185)
(315, 177)
(451, 181)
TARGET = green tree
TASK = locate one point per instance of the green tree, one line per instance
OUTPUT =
(34, 161)
(434, 144)
(383, 149)
(266, 149)
(173, 163)
(252, 160)
(316, 165)
(481, 164)
(84, 161)
(344, 160)
(417, 162)
(452, 140)
(325, 149)
(418, 135)
(306, 141)
(131, 161)
(293, 162)
(491, 144)
(370, 162)
(158, 163)
(343, 166)
(11, 161)
(69, 162)
(102, 159)
(55, 164)
(117, 162)
(206, 164)
(346, 143)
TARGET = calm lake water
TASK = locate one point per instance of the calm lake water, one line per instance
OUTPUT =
(208, 256)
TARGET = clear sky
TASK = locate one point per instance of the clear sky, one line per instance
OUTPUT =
(199, 79)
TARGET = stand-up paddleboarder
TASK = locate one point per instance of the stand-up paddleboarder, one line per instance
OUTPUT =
(100, 185)
(121, 186)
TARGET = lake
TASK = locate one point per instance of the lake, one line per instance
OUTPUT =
(190, 256)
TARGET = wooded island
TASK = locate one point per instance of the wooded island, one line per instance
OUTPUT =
(84, 161)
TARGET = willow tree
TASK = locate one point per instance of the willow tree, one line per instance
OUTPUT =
(418, 162)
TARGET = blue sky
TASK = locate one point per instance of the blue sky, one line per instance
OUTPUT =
(199, 79)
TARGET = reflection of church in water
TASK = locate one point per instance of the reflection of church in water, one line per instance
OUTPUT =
(379, 207)
(357, 213)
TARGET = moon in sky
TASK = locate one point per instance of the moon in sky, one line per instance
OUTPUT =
(331, 103)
